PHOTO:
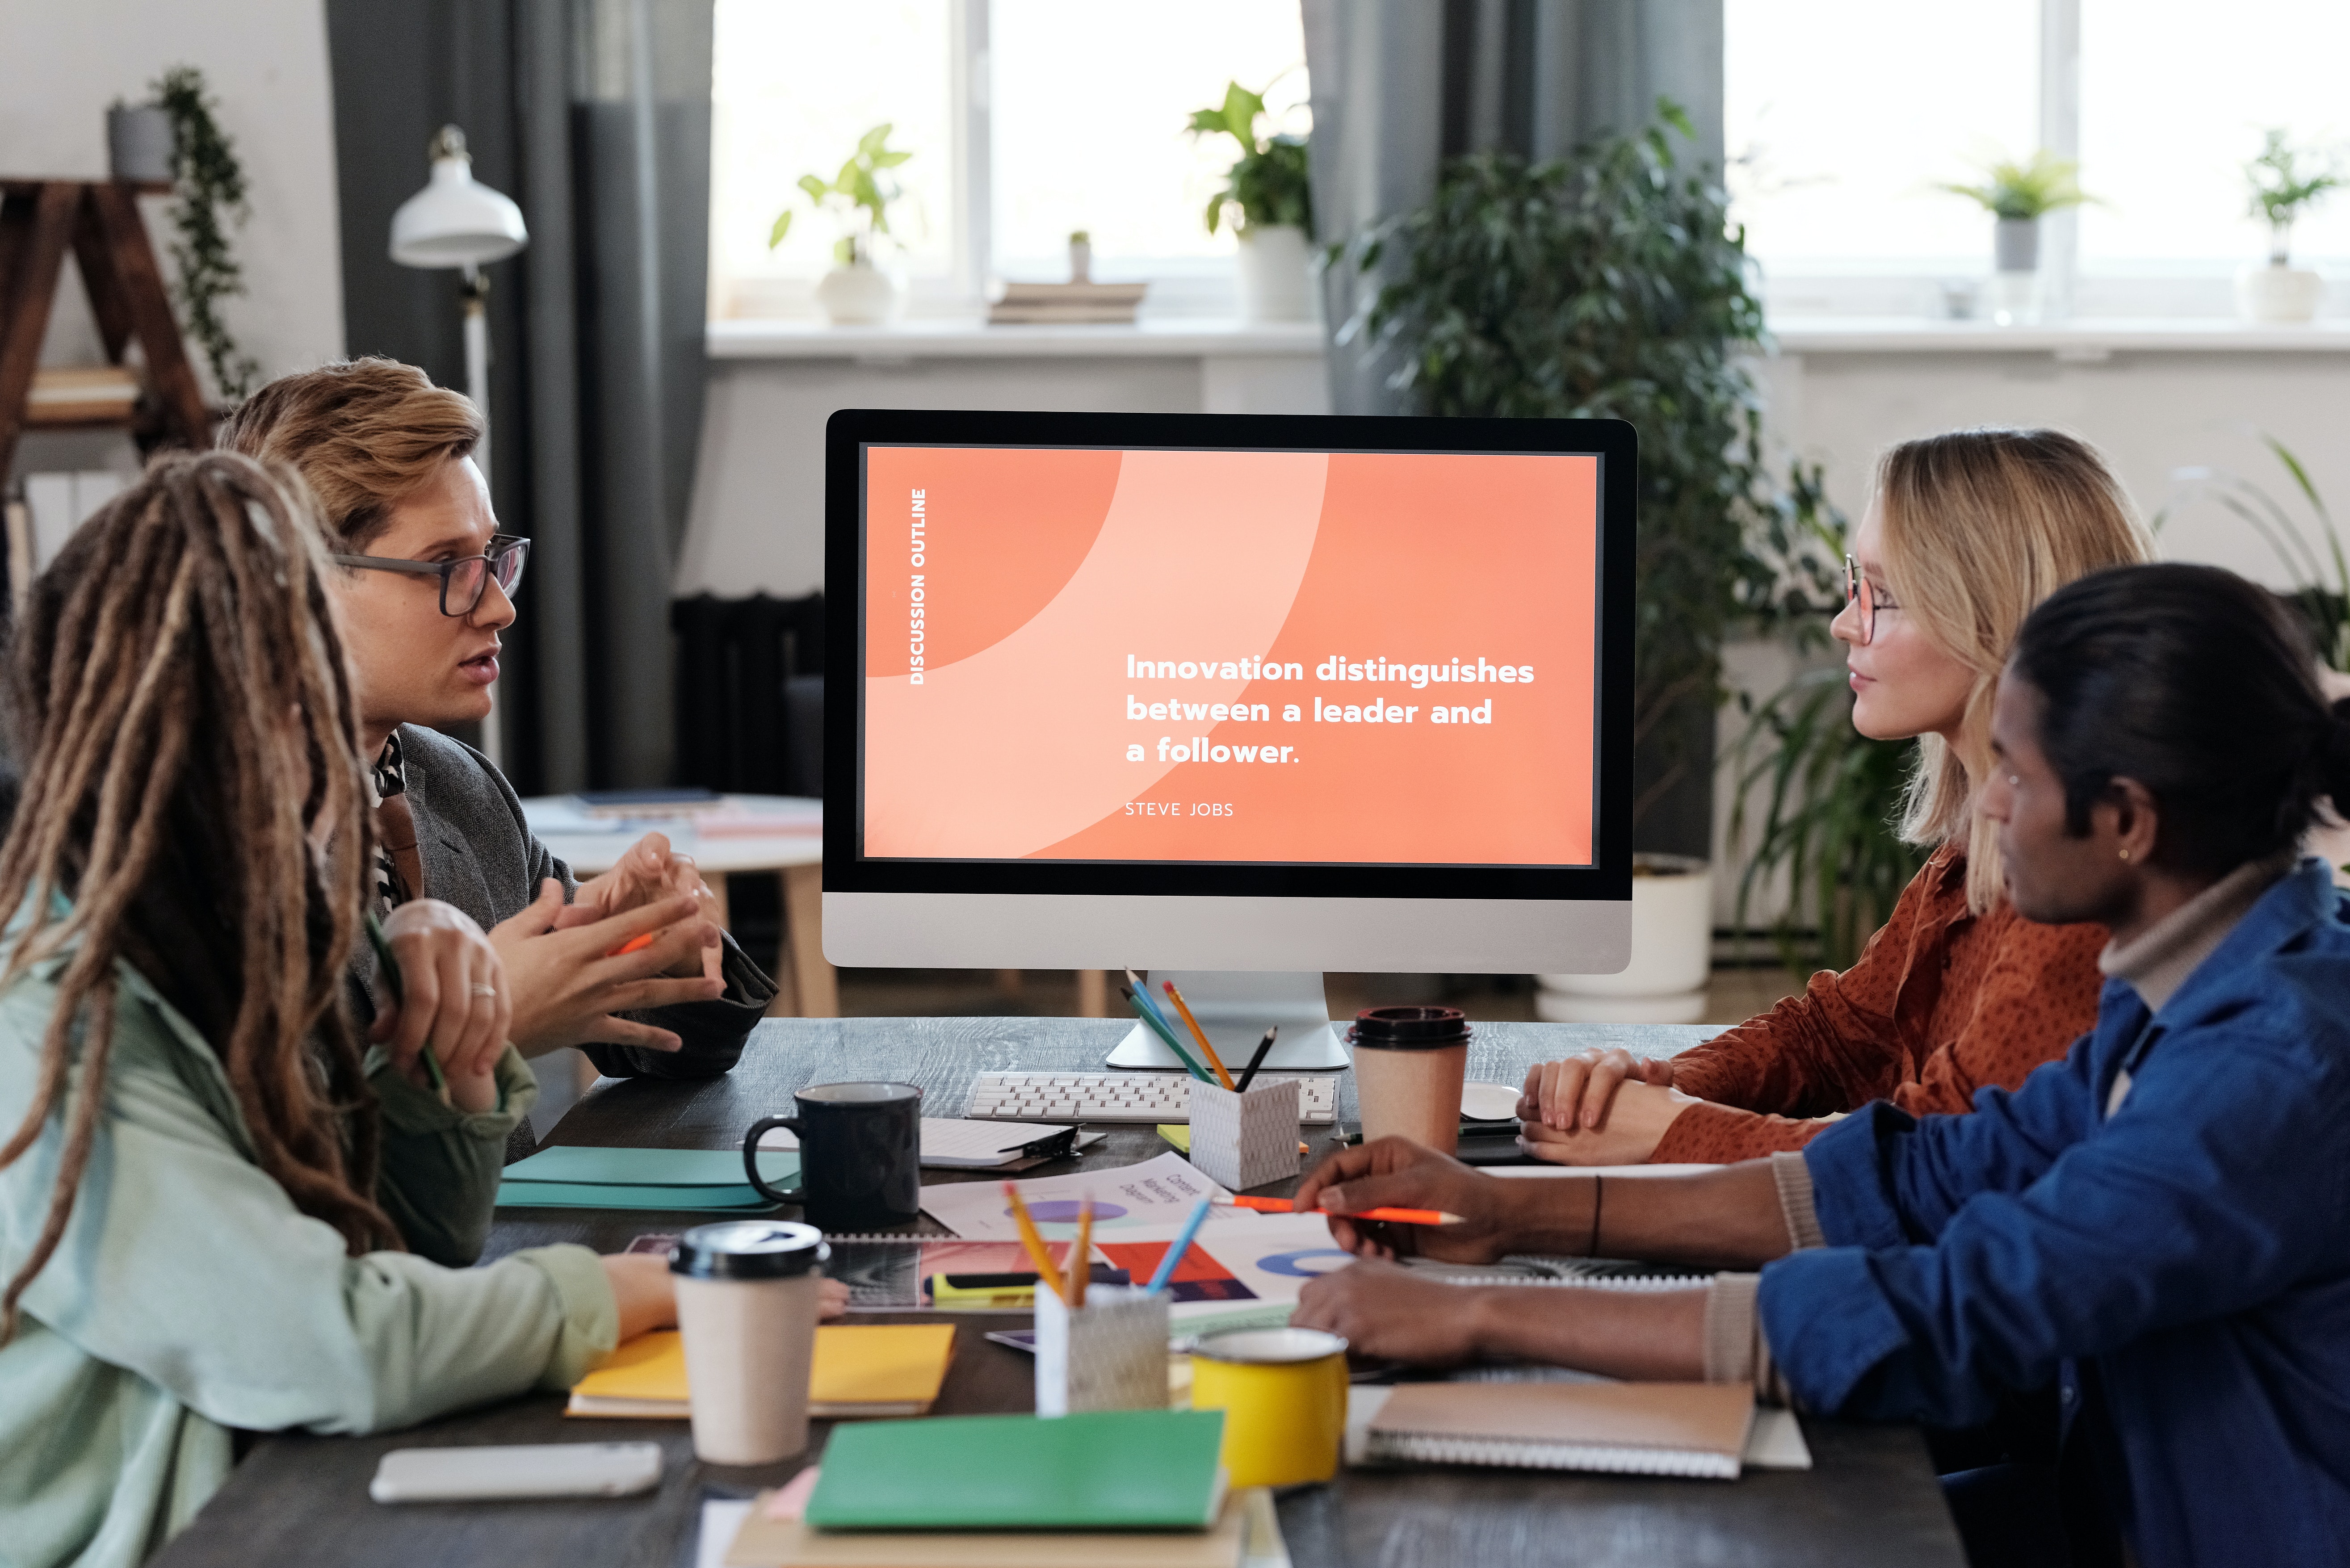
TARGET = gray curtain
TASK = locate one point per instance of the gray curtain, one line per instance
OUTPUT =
(594, 116)
(1401, 85)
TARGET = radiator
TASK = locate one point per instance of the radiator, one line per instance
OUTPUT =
(750, 693)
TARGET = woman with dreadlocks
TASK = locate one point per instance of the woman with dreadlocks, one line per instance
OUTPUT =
(212, 1190)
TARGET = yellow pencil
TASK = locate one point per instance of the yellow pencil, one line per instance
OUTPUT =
(1032, 1239)
(1198, 1033)
(1081, 1256)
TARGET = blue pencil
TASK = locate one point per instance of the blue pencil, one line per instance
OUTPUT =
(1182, 1245)
(1150, 1019)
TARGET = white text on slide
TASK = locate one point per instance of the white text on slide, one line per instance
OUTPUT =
(917, 591)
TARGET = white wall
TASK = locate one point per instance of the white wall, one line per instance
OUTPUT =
(756, 525)
(62, 62)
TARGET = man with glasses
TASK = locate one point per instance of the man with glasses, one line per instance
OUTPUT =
(425, 592)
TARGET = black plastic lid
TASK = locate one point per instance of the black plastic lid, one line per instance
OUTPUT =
(1410, 1028)
(749, 1250)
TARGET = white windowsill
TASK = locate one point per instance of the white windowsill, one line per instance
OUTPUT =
(970, 338)
(2087, 339)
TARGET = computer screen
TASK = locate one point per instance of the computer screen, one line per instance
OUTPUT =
(1188, 654)
(1229, 658)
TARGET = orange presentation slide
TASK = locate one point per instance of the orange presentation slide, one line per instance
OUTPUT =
(1352, 657)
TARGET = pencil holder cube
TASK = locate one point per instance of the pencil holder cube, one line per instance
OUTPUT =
(1107, 1354)
(1242, 1141)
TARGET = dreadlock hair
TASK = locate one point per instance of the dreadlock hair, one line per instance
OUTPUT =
(183, 714)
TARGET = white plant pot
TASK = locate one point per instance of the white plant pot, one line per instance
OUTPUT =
(1275, 285)
(1673, 954)
(2278, 292)
(859, 295)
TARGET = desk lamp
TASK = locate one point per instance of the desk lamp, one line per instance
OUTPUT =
(455, 221)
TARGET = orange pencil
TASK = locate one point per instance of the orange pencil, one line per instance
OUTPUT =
(1081, 1255)
(1198, 1033)
(635, 944)
(1033, 1241)
(1392, 1215)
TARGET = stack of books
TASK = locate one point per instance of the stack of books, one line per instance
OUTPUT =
(1044, 304)
(81, 394)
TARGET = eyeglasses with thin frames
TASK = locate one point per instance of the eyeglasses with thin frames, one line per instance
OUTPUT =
(1857, 589)
(464, 581)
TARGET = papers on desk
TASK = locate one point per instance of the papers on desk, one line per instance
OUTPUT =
(860, 1370)
(722, 1543)
(951, 1143)
(1159, 1191)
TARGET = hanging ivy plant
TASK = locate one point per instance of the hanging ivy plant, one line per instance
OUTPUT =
(211, 197)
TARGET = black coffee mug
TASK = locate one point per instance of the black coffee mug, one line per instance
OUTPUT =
(861, 1155)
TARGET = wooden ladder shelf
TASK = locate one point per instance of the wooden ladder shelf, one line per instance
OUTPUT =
(99, 221)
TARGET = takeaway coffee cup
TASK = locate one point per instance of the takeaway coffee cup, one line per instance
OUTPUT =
(1409, 1062)
(860, 1155)
(747, 1304)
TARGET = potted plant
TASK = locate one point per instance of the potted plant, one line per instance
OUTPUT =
(1270, 207)
(855, 292)
(1609, 283)
(174, 137)
(2018, 195)
(2286, 182)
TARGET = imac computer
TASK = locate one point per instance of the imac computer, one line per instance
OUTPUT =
(1234, 699)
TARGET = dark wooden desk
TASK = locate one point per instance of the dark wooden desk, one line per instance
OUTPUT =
(1871, 1496)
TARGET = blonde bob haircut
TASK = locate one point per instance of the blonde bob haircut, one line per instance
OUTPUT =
(1979, 525)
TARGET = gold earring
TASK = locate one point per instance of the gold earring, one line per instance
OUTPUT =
(2124, 854)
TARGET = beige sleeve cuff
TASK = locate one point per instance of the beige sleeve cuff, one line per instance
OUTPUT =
(1735, 1348)
(1793, 1179)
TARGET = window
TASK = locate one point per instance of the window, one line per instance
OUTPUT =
(1841, 116)
(1026, 119)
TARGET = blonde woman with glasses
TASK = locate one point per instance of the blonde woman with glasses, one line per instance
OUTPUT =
(1967, 532)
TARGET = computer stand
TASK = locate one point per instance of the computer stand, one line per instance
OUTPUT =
(1235, 1007)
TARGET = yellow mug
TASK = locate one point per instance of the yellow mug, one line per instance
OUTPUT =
(1284, 1395)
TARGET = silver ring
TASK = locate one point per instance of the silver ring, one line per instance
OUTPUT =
(481, 990)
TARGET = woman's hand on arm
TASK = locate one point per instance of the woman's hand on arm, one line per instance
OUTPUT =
(452, 1000)
(1579, 1090)
(1636, 1123)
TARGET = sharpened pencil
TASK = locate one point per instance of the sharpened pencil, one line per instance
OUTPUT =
(1183, 1007)
(1182, 1244)
(1033, 1241)
(1080, 1273)
(1390, 1215)
(1152, 1021)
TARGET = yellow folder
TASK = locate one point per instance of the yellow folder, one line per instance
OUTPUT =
(862, 1369)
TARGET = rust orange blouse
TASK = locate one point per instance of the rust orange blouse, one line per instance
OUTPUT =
(1940, 1002)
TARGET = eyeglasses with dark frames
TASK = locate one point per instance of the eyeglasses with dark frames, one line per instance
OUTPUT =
(464, 581)
(1857, 589)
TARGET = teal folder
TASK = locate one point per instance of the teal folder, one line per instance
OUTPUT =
(652, 1167)
(1115, 1469)
(739, 1199)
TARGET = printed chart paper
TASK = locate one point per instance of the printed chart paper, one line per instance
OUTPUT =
(1250, 657)
(1159, 1191)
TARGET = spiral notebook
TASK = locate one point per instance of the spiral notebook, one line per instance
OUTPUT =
(1696, 1430)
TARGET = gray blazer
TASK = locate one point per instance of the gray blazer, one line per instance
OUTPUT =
(479, 854)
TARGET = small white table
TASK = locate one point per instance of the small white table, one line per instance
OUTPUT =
(738, 844)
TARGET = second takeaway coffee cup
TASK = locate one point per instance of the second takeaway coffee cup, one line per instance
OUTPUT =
(1409, 1062)
(747, 1304)
(860, 1155)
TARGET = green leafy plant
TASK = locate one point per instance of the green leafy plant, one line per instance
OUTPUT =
(1604, 285)
(1831, 794)
(2310, 549)
(1268, 181)
(2041, 184)
(2286, 182)
(858, 197)
(210, 197)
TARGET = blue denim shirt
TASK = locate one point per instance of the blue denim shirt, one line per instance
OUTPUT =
(2186, 1257)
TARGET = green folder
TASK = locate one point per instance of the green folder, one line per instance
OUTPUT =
(741, 1199)
(1113, 1470)
(652, 1167)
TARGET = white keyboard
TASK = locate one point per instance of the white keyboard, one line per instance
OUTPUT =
(1148, 1097)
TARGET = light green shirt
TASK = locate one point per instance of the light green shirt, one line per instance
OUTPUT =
(189, 1296)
